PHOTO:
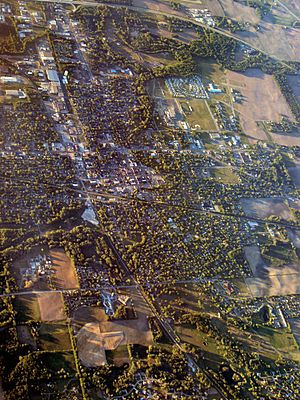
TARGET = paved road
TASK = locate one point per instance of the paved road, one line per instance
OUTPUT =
(92, 196)
(157, 12)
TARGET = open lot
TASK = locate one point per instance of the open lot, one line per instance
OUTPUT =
(267, 207)
(64, 270)
(263, 101)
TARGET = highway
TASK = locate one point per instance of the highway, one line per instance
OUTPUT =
(165, 14)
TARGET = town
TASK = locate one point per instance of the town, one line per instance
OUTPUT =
(150, 209)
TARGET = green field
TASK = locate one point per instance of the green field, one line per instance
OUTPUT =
(56, 361)
(282, 340)
(119, 356)
(54, 337)
(224, 175)
(199, 115)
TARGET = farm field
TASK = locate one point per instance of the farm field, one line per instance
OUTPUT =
(294, 81)
(54, 337)
(255, 260)
(263, 101)
(90, 344)
(274, 285)
(282, 340)
(238, 11)
(64, 270)
(275, 40)
(264, 208)
(95, 333)
(27, 308)
(51, 306)
(276, 272)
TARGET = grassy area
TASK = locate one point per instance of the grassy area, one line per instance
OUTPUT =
(119, 356)
(198, 115)
(225, 175)
(59, 360)
(281, 339)
(54, 337)
(27, 308)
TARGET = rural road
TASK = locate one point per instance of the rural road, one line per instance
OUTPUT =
(156, 12)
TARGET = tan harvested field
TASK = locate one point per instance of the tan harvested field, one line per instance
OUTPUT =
(65, 276)
(214, 6)
(255, 260)
(95, 333)
(51, 306)
(239, 12)
(275, 40)
(287, 283)
(263, 101)
(92, 343)
(264, 208)
(155, 5)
